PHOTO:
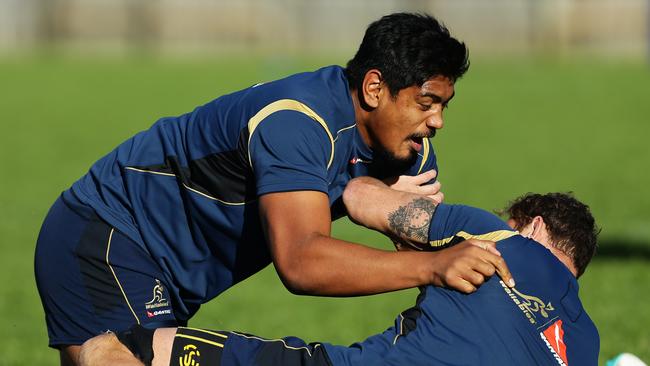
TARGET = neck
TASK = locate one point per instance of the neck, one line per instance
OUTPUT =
(540, 234)
(545, 240)
(360, 117)
(562, 257)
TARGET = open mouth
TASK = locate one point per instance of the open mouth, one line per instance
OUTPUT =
(416, 143)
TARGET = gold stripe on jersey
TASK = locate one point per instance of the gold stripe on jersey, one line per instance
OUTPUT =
(338, 133)
(149, 171)
(492, 236)
(426, 146)
(213, 198)
(199, 339)
(286, 105)
(186, 186)
(205, 331)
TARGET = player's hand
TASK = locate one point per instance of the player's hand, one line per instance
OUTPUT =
(465, 266)
(418, 184)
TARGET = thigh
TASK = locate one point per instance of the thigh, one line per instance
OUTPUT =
(92, 278)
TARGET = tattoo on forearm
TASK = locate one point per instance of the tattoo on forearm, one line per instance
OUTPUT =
(412, 220)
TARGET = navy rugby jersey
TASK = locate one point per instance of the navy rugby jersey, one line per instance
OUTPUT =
(186, 189)
(540, 322)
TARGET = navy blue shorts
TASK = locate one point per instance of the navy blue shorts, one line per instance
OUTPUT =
(91, 278)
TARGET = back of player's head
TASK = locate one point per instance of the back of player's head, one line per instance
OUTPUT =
(569, 222)
(408, 49)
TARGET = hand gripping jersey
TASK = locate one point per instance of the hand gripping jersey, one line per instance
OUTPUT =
(540, 322)
(186, 189)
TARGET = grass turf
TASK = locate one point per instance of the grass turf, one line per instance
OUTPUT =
(512, 128)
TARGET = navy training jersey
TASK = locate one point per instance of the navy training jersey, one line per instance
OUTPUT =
(539, 322)
(186, 189)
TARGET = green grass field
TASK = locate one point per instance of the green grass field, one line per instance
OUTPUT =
(512, 128)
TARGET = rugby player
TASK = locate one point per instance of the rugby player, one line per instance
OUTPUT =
(179, 213)
(540, 322)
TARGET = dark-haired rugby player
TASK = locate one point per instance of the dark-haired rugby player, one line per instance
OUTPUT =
(180, 212)
(539, 322)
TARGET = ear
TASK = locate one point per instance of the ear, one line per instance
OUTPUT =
(371, 88)
(538, 227)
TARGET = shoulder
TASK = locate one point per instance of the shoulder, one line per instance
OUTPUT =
(475, 222)
(287, 129)
(323, 94)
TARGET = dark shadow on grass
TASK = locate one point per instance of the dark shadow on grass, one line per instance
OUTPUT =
(623, 249)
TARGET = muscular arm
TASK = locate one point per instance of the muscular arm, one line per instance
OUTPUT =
(309, 261)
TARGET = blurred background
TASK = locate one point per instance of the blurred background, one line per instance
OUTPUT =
(557, 99)
(609, 28)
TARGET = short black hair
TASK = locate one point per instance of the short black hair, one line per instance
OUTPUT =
(570, 224)
(408, 49)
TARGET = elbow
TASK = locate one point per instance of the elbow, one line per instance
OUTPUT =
(353, 195)
(291, 270)
(296, 288)
(354, 189)
(360, 197)
(298, 263)
(294, 281)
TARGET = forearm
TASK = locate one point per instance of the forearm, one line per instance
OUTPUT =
(400, 215)
(330, 267)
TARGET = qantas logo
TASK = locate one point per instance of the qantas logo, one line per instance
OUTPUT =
(151, 314)
(553, 337)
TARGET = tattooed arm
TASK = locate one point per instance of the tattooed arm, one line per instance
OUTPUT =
(411, 222)
(403, 216)
(406, 218)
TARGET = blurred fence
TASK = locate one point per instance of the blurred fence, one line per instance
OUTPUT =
(616, 28)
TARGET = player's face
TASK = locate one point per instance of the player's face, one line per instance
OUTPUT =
(404, 121)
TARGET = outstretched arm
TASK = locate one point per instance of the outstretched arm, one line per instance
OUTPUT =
(309, 261)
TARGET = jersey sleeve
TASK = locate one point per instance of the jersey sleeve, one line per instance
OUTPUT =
(289, 151)
(371, 351)
(454, 223)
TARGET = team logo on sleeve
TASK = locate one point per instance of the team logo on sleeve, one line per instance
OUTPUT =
(190, 356)
(158, 301)
(553, 337)
(532, 307)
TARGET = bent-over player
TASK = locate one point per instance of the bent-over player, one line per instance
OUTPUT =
(199, 202)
